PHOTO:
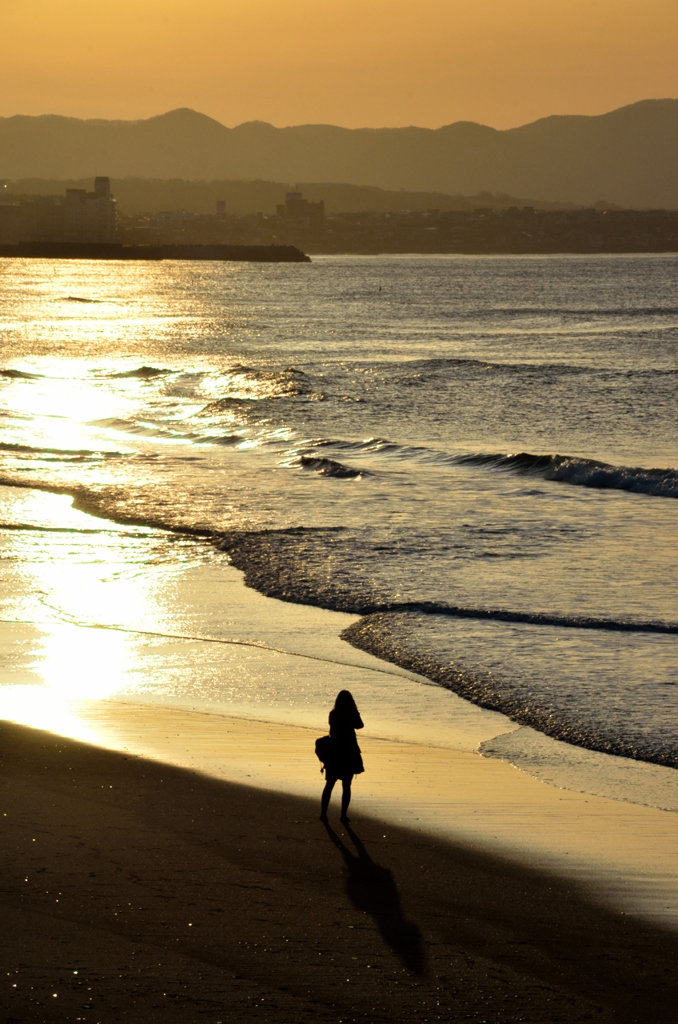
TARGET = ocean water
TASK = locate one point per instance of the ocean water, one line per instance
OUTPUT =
(476, 455)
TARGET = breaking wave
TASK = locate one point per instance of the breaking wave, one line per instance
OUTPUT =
(141, 373)
(328, 467)
(19, 375)
(228, 440)
(84, 453)
(662, 483)
(569, 469)
(575, 715)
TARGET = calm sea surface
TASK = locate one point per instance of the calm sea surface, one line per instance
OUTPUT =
(477, 454)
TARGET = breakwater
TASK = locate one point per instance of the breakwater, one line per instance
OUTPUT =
(111, 251)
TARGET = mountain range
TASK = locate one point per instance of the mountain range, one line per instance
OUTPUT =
(628, 156)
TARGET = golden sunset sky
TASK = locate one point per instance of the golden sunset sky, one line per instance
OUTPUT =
(349, 62)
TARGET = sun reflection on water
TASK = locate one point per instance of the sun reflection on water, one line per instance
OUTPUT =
(56, 590)
(125, 304)
(74, 399)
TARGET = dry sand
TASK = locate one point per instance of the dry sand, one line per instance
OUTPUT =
(626, 853)
(137, 891)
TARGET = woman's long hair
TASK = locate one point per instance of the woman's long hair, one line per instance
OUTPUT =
(345, 703)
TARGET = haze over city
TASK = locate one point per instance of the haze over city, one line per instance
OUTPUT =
(345, 62)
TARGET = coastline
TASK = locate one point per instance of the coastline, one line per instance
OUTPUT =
(201, 700)
(135, 890)
(184, 664)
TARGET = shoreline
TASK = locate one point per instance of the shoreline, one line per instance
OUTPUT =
(189, 666)
(570, 763)
(139, 891)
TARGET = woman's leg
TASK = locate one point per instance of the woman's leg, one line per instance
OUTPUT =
(345, 796)
(327, 793)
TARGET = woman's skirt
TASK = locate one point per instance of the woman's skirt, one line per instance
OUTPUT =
(344, 762)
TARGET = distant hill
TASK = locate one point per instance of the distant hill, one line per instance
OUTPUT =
(628, 157)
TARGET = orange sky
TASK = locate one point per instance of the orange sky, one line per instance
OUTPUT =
(348, 62)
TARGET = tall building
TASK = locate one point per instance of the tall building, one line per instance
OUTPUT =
(79, 216)
(301, 212)
(89, 216)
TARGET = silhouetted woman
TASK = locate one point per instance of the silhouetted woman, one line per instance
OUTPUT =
(345, 759)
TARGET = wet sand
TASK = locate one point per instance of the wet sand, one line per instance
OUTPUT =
(137, 891)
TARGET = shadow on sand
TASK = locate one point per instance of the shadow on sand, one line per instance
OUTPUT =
(371, 888)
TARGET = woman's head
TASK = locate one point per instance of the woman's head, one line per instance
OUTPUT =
(345, 702)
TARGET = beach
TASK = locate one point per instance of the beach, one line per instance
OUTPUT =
(172, 855)
(230, 491)
(134, 890)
